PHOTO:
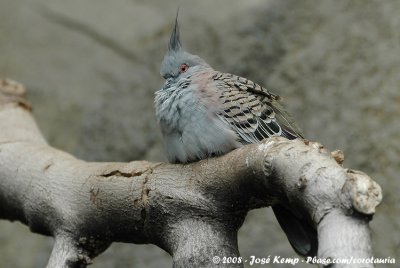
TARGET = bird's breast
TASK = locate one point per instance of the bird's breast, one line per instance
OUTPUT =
(190, 125)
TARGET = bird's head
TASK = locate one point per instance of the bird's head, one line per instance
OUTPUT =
(177, 62)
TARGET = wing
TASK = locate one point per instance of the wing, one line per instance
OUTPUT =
(255, 114)
(252, 111)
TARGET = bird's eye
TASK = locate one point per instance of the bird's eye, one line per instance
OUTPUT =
(183, 68)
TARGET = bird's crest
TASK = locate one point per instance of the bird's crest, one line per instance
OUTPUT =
(174, 41)
(177, 58)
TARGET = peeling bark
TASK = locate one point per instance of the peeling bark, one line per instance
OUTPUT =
(192, 211)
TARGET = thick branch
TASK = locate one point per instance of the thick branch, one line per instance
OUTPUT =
(192, 211)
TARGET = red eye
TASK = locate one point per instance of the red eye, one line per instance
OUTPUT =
(183, 68)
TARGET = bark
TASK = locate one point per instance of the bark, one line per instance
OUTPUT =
(192, 211)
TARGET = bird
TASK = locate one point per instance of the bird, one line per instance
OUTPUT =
(205, 113)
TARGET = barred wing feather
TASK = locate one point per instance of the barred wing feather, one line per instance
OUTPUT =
(254, 114)
(252, 111)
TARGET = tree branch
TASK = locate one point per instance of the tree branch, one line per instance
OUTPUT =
(192, 211)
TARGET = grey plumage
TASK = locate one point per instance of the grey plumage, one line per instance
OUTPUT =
(204, 113)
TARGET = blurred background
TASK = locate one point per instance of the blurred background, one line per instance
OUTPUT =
(91, 69)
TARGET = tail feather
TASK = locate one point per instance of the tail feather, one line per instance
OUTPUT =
(301, 235)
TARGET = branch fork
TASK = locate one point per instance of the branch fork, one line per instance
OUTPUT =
(192, 211)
